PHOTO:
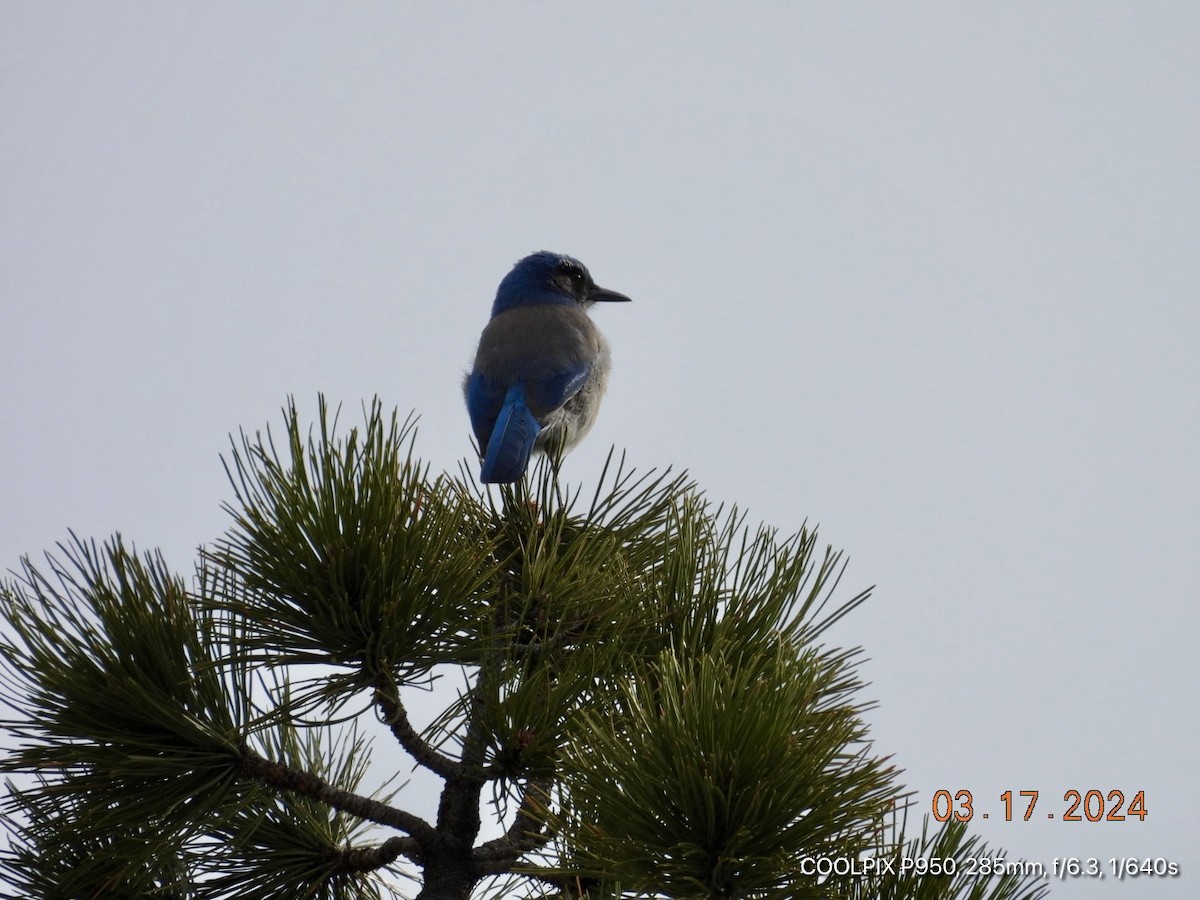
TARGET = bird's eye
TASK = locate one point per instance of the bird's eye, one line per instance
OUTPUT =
(576, 276)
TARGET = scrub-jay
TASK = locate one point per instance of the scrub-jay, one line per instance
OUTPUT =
(541, 366)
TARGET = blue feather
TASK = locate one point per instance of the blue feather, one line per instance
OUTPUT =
(513, 436)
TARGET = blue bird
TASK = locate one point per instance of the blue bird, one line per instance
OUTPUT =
(541, 367)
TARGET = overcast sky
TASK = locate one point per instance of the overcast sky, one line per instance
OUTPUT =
(924, 274)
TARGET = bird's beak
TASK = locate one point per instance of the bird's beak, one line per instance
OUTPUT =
(601, 295)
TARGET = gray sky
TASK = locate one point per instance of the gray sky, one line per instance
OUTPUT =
(923, 274)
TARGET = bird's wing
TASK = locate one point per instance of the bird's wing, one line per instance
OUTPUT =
(544, 395)
(485, 396)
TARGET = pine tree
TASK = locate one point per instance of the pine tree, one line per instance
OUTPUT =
(647, 707)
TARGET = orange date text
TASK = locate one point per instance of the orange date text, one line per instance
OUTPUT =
(1077, 806)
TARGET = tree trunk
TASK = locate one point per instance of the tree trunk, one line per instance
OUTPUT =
(447, 877)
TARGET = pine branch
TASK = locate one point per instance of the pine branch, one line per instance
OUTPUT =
(396, 718)
(526, 832)
(284, 778)
(367, 859)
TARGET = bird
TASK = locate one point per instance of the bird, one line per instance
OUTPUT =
(541, 367)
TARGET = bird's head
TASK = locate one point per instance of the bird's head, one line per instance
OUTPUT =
(546, 277)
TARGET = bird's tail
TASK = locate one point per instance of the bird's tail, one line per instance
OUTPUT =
(512, 440)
